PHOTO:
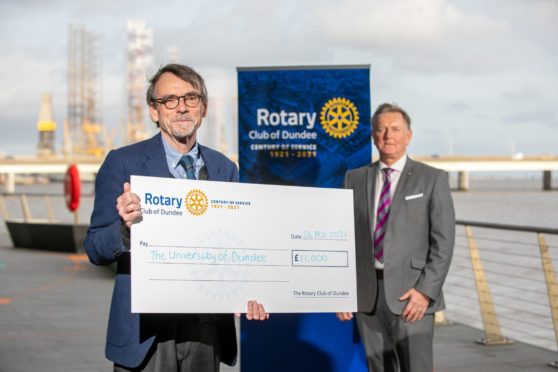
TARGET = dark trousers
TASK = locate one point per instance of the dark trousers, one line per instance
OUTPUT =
(391, 344)
(181, 346)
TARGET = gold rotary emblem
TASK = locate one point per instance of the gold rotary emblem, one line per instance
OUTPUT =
(339, 117)
(196, 202)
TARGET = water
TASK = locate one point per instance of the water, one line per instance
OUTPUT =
(508, 201)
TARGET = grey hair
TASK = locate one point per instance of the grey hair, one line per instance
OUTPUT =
(390, 107)
(183, 72)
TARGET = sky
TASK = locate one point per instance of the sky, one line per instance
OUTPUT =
(477, 77)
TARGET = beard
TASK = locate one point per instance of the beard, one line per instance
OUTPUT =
(183, 127)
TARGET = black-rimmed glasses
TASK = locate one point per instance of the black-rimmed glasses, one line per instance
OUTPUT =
(171, 102)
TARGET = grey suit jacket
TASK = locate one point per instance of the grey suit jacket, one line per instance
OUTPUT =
(419, 238)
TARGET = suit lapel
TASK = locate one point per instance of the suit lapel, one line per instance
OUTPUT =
(213, 168)
(370, 191)
(155, 158)
(404, 180)
(203, 175)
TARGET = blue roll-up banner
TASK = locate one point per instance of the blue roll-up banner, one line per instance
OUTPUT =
(303, 126)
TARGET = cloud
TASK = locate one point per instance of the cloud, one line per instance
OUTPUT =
(418, 35)
(377, 24)
(18, 133)
(526, 93)
(543, 116)
(245, 33)
(473, 66)
(445, 37)
(458, 106)
(22, 91)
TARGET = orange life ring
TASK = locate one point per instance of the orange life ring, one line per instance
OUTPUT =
(72, 188)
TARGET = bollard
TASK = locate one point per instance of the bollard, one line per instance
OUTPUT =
(3, 209)
(440, 319)
(9, 183)
(547, 180)
(463, 181)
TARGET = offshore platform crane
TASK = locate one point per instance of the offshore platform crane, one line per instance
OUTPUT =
(46, 127)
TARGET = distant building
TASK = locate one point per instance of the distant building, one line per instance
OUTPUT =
(218, 130)
(140, 59)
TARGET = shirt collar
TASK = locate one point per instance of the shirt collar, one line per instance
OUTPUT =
(397, 166)
(173, 156)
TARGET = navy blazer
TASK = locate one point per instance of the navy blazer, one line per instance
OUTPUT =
(129, 336)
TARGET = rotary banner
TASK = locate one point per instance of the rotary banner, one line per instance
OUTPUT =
(303, 126)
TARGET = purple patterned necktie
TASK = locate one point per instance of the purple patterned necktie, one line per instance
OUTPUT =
(382, 214)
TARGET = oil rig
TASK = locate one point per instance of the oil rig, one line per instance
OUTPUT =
(84, 134)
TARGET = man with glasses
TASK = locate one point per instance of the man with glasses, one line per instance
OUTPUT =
(177, 101)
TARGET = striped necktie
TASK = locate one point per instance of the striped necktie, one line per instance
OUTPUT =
(382, 214)
(188, 164)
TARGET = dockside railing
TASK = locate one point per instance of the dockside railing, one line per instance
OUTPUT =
(522, 265)
(48, 207)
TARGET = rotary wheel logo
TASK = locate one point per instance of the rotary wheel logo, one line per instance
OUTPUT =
(339, 117)
(196, 202)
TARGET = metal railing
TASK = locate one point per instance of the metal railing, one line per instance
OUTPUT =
(48, 206)
(505, 268)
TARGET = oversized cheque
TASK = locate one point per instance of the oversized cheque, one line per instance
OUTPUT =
(209, 247)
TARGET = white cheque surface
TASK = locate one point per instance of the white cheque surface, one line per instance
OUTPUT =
(209, 247)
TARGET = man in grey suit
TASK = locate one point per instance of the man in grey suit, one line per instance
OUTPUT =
(404, 235)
